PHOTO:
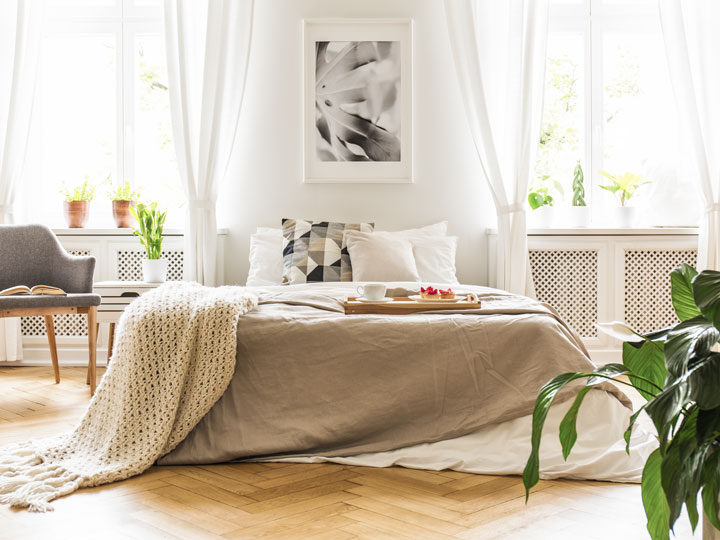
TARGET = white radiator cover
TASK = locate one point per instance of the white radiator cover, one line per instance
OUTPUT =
(600, 275)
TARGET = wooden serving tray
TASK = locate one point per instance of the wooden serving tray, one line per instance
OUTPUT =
(403, 305)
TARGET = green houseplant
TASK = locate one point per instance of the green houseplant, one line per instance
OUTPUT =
(578, 213)
(543, 194)
(677, 371)
(122, 198)
(150, 229)
(77, 202)
(624, 188)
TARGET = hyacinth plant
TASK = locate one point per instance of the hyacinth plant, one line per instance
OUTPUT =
(677, 371)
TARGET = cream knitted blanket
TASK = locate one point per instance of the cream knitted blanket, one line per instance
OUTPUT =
(173, 358)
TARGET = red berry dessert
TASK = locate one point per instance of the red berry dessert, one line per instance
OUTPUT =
(430, 292)
(447, 294)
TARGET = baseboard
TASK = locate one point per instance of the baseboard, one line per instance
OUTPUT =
(68, 356)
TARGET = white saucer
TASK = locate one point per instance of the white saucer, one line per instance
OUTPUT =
(419, 298)
(368, 301)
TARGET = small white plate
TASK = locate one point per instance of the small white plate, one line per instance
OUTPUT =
(368, 301)
(419, 298)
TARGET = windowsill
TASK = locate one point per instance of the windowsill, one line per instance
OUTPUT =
(89, 231)
(609, 231)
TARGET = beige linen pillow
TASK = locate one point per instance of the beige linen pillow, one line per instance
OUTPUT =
(380, 256)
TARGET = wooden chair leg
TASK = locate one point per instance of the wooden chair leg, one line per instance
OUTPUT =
(92, 346)
(50, 331)
(97, 333)
(111, 341)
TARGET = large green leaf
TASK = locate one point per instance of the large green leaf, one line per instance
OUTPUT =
(706, 291)
(682, 292)
(531, 473)
(646, 359)
(708, 425)
(711, 488)
(695, 336)
(700, 384)
(568, 425)
(628, 432)
(653, 497)
(704, 382)
(682, 466)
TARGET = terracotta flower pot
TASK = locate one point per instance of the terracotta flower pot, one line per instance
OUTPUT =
(121, 213)
(76, 213)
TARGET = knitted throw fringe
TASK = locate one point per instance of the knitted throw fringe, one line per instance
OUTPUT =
(174, 357)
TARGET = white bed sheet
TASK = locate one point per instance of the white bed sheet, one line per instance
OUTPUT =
(503, 449)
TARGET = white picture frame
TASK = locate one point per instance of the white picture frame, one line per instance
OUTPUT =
(387, 157)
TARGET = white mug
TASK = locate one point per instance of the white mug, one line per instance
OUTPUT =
(372, 291)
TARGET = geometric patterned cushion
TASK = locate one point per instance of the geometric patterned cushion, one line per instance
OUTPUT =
(316, 251)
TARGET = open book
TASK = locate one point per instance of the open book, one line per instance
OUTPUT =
(37, 289)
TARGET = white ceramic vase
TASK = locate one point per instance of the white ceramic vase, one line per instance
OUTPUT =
(576, 216)
(624, 217)
(541, 218)
(154, 270)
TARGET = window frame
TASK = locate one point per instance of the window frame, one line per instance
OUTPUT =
(593, 20)
(124, 20)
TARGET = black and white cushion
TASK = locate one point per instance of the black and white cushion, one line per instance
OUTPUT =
(315, 250)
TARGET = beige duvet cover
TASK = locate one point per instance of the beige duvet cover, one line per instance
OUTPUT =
(311, 380)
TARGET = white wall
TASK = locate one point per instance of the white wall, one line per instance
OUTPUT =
(265, 180)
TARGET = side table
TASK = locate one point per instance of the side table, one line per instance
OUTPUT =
(116, 295)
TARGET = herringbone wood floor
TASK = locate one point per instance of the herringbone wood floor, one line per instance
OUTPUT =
(295, 501)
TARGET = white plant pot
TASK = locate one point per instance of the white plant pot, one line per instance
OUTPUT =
(624, 217)
(154, 270)
(541, 218)
(576, 216)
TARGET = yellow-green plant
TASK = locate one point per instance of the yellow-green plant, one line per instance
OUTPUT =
(625, 185)
(150, 228)
(85, 191)
(124, 192)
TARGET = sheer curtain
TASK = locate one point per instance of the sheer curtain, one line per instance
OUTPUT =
(692, 42)
(207, 43)
(19, 46)
(499, 51)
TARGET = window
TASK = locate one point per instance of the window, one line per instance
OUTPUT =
(101, 109)
(609, 106)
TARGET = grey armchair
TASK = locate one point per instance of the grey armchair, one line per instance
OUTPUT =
(31, 255)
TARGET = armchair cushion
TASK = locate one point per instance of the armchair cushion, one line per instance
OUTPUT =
(28, 301)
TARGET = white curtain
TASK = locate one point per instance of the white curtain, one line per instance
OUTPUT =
(207, 44)
(499, 51)
(692, 43)
(19, 46)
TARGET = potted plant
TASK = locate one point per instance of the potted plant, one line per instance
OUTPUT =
(624, 186)
(578, 214)
(76, 204)
(677, 371)
(541, 198)
(150, 228)
(123, 197)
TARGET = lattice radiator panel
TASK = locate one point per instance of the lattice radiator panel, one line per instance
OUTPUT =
(129, 268)
(568, 281)
(65, 325)
(129, 264)
(648, 305)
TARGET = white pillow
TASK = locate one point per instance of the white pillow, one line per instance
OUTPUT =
(435, 258)
(380, 256)
(436, 229)
(266, 261)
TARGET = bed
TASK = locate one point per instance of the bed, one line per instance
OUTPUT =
(434, 391)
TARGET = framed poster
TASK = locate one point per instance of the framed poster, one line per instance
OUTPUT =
(358, 101)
